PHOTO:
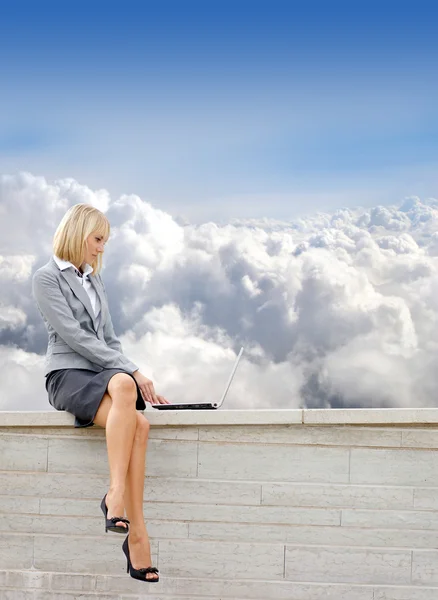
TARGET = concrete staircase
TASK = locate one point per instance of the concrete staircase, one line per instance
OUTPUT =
(266, 505)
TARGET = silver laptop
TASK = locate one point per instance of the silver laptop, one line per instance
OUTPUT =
(202, 405)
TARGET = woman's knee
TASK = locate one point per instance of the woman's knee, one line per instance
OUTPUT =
(122, 389)
(142, 429)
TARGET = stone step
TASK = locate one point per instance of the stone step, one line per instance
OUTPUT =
(40, 585)
(177, 558)
(216, 491)
(291, 535)
(17, 594)
(156, 489)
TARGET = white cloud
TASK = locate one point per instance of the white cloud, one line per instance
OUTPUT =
(334, 310)
(20, 372)
(11, 317)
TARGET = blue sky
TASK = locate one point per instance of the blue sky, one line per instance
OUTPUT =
(214, 110)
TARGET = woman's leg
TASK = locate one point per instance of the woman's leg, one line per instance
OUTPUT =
(135, 479)
(118, 415)
(139, 546)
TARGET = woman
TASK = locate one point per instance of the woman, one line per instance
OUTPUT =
(88, 375)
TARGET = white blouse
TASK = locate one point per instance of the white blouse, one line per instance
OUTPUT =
(84, 280)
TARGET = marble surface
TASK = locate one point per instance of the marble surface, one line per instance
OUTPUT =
(330, 416)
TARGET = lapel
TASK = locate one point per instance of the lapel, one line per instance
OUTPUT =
(79, 292)
(72, 280)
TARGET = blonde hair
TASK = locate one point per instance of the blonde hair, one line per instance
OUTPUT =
(80, 221)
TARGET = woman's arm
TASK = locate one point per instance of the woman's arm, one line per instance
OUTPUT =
(56, 310)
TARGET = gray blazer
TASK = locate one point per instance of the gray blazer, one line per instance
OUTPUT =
(74, 341)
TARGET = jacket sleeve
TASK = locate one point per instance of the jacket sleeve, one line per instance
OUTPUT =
(57, 311)
(108, 330)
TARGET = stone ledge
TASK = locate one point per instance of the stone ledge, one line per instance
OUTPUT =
(315, 417)
(370, 416)
(158, 418)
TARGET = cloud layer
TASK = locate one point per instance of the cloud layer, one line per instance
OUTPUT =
(335, 310)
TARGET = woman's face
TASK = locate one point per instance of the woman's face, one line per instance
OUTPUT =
(94, 245)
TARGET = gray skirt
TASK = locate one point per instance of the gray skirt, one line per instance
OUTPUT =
(80, 392)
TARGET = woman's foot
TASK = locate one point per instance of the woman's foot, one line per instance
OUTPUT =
(140, 552)
(116, 507)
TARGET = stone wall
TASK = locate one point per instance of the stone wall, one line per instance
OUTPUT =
(266, 505)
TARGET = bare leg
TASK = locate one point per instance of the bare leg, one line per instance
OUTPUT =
(135, 478)
(118, 415)
(139, 546)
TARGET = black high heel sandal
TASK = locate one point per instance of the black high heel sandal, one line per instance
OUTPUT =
(110, 524)
(138, 573)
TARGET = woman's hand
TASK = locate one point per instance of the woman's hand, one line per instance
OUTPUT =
(147, 389)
